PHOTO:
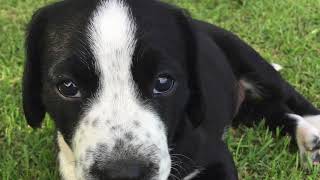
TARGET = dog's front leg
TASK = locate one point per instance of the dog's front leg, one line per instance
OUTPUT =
(200, 156)
(221, 167)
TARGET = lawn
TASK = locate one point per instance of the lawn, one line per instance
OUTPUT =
(286, 32)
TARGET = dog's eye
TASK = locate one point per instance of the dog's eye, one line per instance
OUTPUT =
(164, 84)
(68, 89)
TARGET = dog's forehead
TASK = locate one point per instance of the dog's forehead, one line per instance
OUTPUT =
(111, 33)
(112, 27)
(72, 24)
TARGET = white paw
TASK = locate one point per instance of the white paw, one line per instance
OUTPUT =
(308, 138)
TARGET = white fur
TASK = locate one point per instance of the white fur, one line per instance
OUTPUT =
(314, 120)
(192, 175)
(304, 132)
(116, 104)
(277, 67)
(66, 159)
(307, 129)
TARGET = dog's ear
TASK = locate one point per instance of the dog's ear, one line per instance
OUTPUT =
(214, 88)
(33, 107)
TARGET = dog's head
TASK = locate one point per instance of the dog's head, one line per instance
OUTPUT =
(122, 79)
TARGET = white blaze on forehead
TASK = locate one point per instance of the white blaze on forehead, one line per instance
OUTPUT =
(112, 33)
(116, 111)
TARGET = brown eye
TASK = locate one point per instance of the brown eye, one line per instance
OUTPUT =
(163, 84)
(68, 89)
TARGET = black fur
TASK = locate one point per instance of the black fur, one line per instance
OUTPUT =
(207, 62)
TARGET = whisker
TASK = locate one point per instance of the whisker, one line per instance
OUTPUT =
(175, 177)
(177, 170)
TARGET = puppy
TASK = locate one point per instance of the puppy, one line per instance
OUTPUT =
(138, 90)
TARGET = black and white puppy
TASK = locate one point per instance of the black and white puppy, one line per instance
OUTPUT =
(138, 90)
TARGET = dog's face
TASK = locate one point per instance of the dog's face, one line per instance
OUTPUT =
(115, 82)
(118, 78)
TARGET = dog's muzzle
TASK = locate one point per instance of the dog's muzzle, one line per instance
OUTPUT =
(133, 145)
(124, 162)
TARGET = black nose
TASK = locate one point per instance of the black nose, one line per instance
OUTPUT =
(122, 170)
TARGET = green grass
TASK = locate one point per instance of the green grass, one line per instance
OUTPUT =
(283, 31)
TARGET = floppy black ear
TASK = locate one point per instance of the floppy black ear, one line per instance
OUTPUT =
(214, 88)
(33, 107)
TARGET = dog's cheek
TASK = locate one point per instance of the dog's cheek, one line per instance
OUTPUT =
(172, 111)
(65, 113)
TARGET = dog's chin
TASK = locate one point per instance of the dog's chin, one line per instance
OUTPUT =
(71, 169)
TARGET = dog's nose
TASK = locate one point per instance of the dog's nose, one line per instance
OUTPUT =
(122, 170)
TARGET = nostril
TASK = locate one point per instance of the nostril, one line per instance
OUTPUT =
(134, 171)
(128, 170)
(122, 170)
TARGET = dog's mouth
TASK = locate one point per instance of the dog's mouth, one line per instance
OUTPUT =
(119, 164)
